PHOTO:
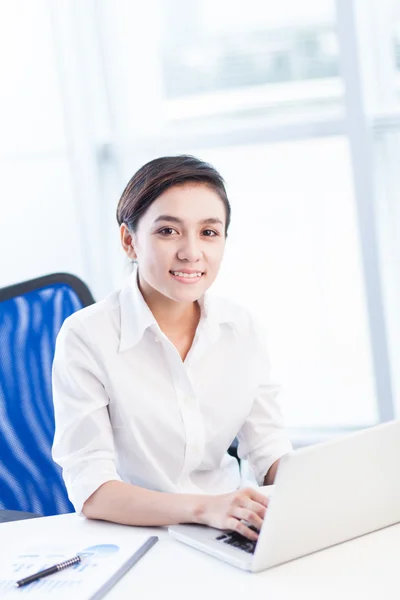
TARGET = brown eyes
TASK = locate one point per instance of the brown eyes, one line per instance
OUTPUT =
(168, 231)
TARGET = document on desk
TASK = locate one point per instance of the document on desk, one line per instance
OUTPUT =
(102, 564)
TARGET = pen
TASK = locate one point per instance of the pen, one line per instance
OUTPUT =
(50, 571)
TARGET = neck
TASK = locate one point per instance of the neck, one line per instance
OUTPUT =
(171, 316)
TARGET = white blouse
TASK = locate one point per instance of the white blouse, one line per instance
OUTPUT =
(128, 409)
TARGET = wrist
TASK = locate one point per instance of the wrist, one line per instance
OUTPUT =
(199, 509)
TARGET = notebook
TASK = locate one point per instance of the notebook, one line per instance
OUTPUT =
(103, 563)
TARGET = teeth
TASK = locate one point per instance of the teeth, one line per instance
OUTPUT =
(190, 275)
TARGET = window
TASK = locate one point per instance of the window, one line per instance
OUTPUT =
(378, 28)
(239, 58)
(266, 93)
(259, 93)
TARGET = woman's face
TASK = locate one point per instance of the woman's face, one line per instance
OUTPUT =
(180, 241)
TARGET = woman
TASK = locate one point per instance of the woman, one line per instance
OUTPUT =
(152, 384)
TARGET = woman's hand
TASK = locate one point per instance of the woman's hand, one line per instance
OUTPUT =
(228, 511)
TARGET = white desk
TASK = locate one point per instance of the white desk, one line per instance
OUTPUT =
(366, 568)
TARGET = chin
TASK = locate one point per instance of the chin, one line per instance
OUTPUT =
(187, 295)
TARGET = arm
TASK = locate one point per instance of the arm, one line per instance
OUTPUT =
(270, 476)
(132, 505)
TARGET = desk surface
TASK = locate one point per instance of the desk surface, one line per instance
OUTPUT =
(365, 568)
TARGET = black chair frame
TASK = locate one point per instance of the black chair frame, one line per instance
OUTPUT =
(31, 285)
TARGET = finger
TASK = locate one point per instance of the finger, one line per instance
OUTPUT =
(235, 525)
(247, 515)
(257, 496)
(255, 507)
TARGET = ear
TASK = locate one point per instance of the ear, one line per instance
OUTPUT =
(127, 241)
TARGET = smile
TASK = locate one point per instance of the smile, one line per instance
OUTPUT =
(187, 277)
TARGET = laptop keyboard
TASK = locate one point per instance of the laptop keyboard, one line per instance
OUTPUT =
(238, 540)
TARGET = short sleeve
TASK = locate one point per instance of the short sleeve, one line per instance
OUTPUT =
(262, 438)
(83, 442)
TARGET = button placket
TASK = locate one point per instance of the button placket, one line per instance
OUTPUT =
(190, 413)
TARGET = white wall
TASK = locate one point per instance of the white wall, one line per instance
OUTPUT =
(39, 221)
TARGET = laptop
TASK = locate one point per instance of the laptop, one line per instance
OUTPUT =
(323, 495)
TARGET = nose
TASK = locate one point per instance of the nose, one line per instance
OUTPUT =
(190, 250)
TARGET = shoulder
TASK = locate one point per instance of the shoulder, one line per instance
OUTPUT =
(99, 315)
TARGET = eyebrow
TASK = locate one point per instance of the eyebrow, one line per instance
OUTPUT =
(171, 219)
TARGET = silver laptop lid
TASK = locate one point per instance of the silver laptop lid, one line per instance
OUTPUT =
(332, 492)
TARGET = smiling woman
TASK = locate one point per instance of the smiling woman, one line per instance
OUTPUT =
(179, 247)
(152, 384)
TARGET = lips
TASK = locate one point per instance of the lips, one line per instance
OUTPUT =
(187, 272)
(187, 276)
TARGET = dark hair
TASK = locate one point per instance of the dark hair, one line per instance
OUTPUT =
(160, 174)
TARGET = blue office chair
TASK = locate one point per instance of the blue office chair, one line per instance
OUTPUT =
(31, 314)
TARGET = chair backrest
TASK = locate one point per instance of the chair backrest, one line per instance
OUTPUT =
(31, 314)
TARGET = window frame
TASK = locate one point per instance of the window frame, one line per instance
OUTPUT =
(92, 156)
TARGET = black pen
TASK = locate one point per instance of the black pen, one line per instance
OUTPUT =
(50, 571)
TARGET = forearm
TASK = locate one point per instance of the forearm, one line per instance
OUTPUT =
(270, 476)
(132, 505)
